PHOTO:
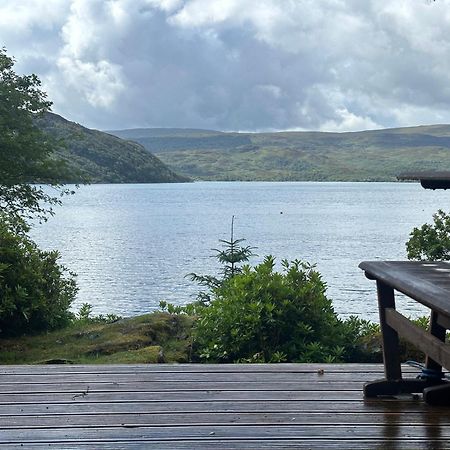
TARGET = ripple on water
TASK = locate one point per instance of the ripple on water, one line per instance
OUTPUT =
(132, 245)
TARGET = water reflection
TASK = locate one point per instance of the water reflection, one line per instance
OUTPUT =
(411, 422)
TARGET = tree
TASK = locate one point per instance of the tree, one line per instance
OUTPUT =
(26, 153)
(431, 241)
(35, 290)
(231, 257)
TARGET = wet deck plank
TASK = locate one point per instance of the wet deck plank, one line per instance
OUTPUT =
(205, 406)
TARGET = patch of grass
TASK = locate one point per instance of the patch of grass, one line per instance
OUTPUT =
(150, 338)
(151, 355)
(158, 337)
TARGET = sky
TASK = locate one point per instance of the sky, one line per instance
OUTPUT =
(236, 65)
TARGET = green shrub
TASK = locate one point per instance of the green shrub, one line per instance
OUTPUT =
(35, 291)
(260, 315)
(362, 341)
(365, 344)
(85, 316)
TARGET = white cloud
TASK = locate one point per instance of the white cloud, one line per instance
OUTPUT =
(25, 16)
(347, 121)
(99, 82)
(196, 13)
(165, 5)
(83, 62)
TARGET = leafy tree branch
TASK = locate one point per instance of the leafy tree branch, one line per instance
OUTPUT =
(26, 153)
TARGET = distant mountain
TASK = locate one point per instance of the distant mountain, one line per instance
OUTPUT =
(376, 155)
(103, 158)
(172, 139)
(163, 132)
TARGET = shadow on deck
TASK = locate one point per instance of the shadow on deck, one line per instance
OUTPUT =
(210, 406)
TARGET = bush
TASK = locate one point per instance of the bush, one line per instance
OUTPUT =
(35, 291)
(362, 341)
(85, 316)
(260, 315)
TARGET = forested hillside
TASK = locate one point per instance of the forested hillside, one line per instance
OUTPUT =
(102, 158)
(369, 155)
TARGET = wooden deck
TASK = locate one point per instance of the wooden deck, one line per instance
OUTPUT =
(210, 406)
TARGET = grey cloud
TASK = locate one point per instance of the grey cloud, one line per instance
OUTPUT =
(239, 65)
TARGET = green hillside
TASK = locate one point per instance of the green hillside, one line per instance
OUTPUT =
(103, 158)
(369, 155)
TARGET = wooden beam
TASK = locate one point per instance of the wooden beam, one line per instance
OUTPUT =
(443, 321)
(432, 346)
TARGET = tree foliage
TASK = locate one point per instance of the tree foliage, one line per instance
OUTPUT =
(231, 256)
(26, 153)
(431, 241)
(261, 315)
(35, 290)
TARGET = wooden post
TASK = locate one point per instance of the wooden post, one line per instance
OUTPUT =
(391, 350)
(438, 331)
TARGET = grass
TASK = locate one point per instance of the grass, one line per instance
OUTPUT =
(158, 337)
(151, 338)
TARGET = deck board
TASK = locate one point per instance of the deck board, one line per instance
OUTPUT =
(204, 406)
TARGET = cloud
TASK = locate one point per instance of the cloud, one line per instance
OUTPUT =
(99, 82)
(84, 61)
(348, 121)
(237, 64)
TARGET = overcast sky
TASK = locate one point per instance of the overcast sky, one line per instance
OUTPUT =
(243, 65)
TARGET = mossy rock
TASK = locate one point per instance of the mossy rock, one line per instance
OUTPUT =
(150, 338)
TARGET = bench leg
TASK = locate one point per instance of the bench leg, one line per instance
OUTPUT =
(391, 348)
(439, 332)
(436, 391)
(392, 384)
(436, 395)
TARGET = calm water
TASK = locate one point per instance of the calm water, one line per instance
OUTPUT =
(132, 245)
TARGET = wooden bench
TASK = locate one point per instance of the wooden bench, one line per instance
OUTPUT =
(429, 284)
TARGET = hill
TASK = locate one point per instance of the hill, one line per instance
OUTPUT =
(376, 155)
(103, 158)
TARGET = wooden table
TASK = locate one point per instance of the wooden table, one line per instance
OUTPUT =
(429, 284)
